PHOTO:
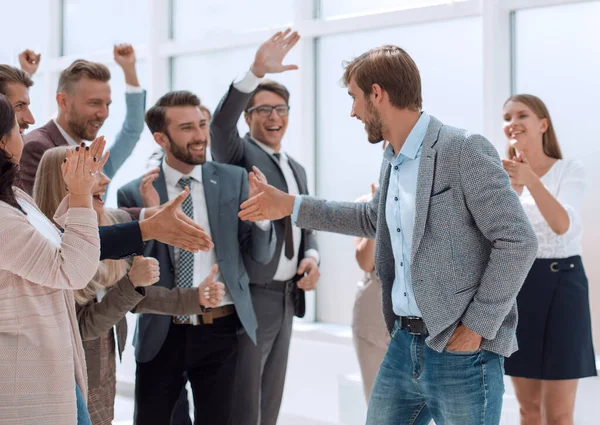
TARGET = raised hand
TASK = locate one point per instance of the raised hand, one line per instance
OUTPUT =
(269, 56)
(144, 271)
(211, 293)
(29, 61)
(253, 177)
(171, 226)
(270, 204)
(125, 57)
(148, 193)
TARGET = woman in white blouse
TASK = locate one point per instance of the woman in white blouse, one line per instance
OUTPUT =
(554, 331)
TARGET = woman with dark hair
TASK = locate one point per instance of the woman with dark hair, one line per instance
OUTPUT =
(554, 331)
(40, 346)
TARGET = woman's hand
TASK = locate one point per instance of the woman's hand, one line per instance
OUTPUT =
(520, 172)
(79, 171)
(144, 271)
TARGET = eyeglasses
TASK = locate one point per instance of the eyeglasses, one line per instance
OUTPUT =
(266, 110)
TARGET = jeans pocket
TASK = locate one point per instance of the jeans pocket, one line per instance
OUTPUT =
(462, 353)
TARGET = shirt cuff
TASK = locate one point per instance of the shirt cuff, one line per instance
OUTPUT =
(248, 83)
(314, 254)
(264, 224)
(296, 210)
(142, 214)
(133, 89)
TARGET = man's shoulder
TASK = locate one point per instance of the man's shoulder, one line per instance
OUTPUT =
(40, 136)
(454, 139)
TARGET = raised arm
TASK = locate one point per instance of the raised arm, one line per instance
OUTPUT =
(135, 101)
(226, 144)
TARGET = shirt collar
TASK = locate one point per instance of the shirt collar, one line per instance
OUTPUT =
(69, 139)
(172, 176)
(414, 142)
(268, 149)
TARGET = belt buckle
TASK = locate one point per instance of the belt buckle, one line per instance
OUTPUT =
(409, 329)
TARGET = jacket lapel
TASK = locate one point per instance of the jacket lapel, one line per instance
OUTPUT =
(302, 185)
(424, 183)
(210, 181)
(55, 135)
(161, 187)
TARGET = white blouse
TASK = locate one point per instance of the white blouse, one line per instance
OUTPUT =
(566, 182)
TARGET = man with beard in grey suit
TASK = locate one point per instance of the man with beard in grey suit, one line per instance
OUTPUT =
(453, 247)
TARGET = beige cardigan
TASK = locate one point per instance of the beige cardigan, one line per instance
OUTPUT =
(41, 355)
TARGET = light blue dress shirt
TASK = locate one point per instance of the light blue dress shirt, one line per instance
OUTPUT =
(400, 214)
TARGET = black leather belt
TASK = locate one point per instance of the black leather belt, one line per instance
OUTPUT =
(413, 325)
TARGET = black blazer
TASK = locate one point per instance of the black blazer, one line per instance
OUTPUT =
(120, 241)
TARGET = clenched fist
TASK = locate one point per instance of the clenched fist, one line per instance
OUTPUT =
(144, 271)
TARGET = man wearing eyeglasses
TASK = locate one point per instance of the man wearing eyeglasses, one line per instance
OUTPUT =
(278, 287)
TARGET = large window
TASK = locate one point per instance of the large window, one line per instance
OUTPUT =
(90, 26)
(561, 66)
(347, 163)
(23, 30)
(194, 19)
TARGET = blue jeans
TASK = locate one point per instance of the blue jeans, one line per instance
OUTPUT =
(83, 416)
(416, 384)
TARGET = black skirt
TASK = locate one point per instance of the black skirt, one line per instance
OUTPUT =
(554, 331)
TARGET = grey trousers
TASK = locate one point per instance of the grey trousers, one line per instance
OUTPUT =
(261, 368)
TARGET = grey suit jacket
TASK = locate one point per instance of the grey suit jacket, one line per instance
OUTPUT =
(233, 240)
(472, 243)
(229, 147)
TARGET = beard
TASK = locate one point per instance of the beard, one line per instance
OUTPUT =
(183, 154)
(373, 124)
(78, 126)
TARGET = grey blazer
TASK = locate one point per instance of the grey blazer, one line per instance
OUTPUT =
(472, 244)
(229, 147)
(225, 187)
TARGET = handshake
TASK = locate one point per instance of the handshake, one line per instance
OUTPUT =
(145, 271)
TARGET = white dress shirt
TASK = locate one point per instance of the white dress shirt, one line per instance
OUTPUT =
(203, 261)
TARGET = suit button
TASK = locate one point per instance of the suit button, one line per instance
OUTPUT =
(396, 167)
(171, 269)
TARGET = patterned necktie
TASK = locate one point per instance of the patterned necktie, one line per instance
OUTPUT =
(287, 227)
(185, 266)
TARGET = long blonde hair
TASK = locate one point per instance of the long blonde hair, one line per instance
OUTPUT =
(549, 139)
(49, 190)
